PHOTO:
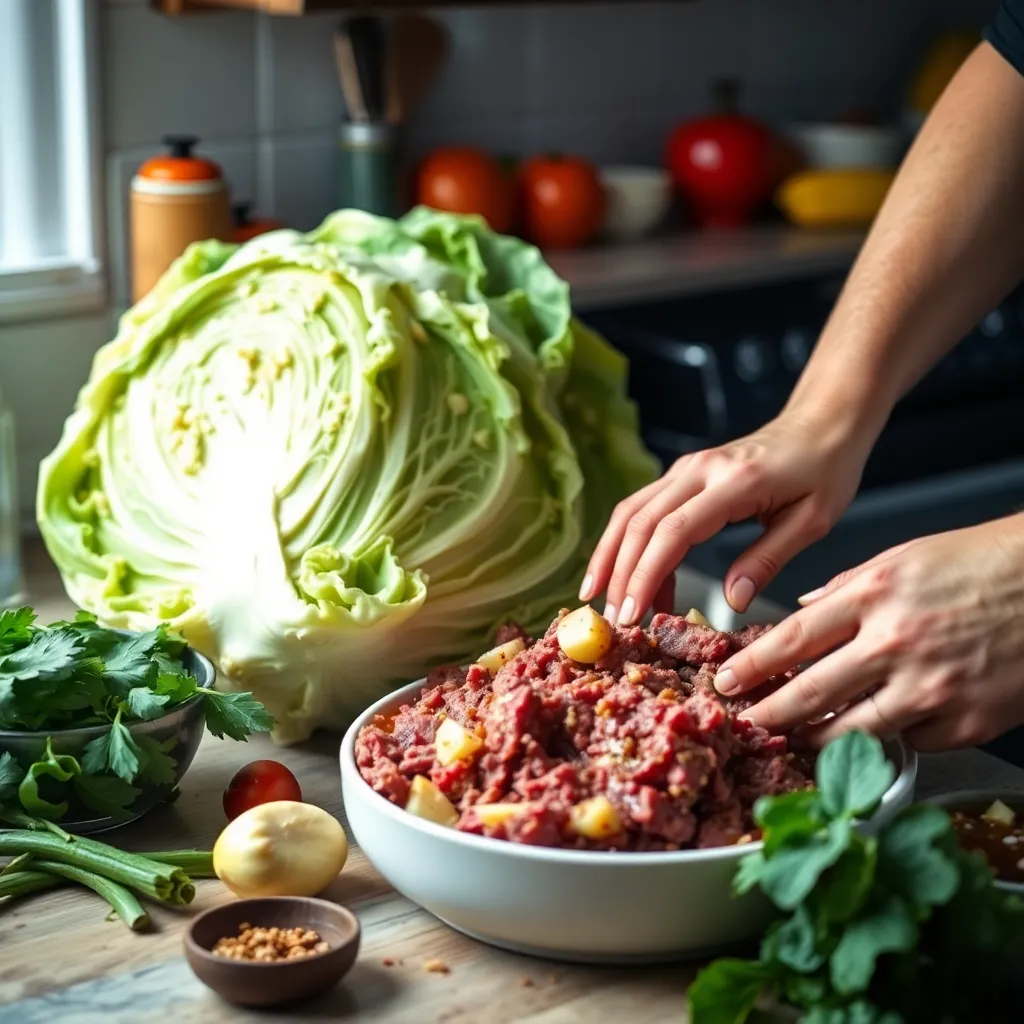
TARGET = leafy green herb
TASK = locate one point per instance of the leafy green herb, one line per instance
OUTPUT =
(884, 926)
(49, 654)
(176, 686)
(15, 628)
(235, 714)
(851, 777)
(129, 663)
(106, 794)
(156, 764)
(77, 673)
(793, 870)
(727, 994)
(115, 751)
(144, 704)
(11, 775)
(911, 864)
(899, 928)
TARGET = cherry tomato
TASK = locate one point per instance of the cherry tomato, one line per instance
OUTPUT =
(562, 201)
(464, 180)
(259, 782)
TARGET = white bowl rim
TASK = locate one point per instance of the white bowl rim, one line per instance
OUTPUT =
(905, 779)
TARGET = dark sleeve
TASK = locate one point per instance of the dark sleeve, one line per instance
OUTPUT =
(1006, 33)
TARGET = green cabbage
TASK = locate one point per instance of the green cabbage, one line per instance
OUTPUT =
(334, 460)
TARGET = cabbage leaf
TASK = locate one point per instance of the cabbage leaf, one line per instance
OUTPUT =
(334, 460)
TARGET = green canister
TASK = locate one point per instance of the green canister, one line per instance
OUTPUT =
(368, 167)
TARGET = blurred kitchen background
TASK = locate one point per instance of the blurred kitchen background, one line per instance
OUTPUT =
(718, 320)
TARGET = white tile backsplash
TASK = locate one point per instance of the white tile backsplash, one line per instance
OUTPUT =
(300, 84)
(597, 60)
(162, 75)
(504, 134)
(492, 65)
(603, 138)
(303, 177)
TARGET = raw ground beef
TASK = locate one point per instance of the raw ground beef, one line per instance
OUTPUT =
(643, 727)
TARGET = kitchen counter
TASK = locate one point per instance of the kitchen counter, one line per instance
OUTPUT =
(672, 265)
(63, 961)
(681, 263)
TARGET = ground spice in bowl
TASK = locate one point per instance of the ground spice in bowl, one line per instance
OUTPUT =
(270, 945)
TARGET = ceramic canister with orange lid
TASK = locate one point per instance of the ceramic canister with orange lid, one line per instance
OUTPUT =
(176, 199)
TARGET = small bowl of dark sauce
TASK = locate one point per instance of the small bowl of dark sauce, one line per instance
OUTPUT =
(991, 822)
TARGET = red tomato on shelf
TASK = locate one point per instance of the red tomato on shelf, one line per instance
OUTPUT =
(562, 201)
(724, 164)
(259, 782)
(463, 180)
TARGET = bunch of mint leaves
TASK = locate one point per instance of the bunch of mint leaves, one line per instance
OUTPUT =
(900, 927)
(76, 674)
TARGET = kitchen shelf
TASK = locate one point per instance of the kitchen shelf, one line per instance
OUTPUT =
(697, 262)
(299, 7)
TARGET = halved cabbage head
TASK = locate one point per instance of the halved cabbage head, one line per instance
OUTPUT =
(333, 460)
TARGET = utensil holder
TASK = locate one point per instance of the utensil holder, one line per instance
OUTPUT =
(367, 159)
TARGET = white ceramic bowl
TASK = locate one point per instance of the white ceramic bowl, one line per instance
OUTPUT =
(572, 905)
(638, 199)
(849, 145)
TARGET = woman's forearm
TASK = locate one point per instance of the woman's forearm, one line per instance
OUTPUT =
(946, 246)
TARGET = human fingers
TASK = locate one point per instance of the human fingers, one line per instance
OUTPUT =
(848, 575)
(785, 536)
(884, 714)
(669, 504)
(827, 685)
(953, 731)
(805, 634)
(674, 533)
(602, 560)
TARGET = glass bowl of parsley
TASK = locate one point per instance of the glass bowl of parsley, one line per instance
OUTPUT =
(98, 726)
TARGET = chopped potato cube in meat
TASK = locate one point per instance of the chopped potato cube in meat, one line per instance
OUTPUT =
(584, 635)
(454, 742)
(493, 815)
(497, 657)
(595, 818)
(427, 801)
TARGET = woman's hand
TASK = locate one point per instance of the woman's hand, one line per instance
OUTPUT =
(926, 639)
(796, 475)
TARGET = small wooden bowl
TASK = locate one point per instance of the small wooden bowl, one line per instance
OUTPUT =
(252, 983)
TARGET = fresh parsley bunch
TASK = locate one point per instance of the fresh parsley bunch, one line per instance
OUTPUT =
(76, 674)
(902, 927)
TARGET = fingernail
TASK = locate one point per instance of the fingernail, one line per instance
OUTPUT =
(611, 613)
(588, 582)
(810, 596)
(742, 593)
(725, 681)
(628, 611)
